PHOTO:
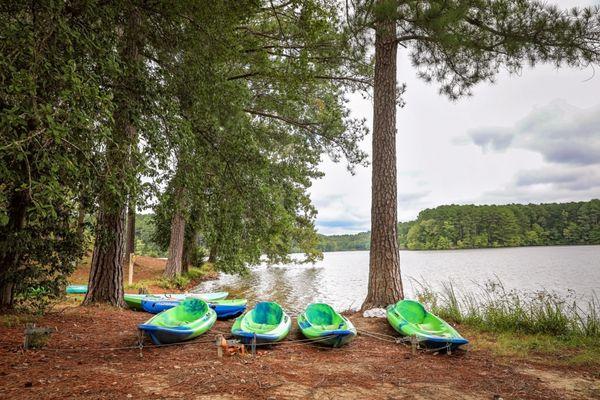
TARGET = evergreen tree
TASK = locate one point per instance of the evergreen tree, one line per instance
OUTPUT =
(458, 44)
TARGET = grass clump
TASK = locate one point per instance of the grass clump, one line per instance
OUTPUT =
(496, 309)
(178, 282)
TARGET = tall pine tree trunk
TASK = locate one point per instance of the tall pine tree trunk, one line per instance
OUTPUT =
(106, 274)
(174, 265)
(385, 285)
(130, 241)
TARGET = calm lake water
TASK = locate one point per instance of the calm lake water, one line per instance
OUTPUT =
(341, 277)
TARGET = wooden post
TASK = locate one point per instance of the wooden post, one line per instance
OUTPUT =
(219, 343)
(131, 261)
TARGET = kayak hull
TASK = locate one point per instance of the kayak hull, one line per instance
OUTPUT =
(225, 309)
(321, 323)
(77, 289)
(134, 301)
(267, 323)
(410, 318)
(189, 319)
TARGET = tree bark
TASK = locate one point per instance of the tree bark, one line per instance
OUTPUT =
(385, 284)
(212, 253)
(10, 258)
(130, 241)
(174, 263)
(106, 274)
(80, 219)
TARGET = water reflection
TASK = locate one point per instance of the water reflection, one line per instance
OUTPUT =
(341, 278)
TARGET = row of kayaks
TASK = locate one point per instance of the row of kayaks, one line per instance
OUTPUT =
(267, 322)
(181, 317)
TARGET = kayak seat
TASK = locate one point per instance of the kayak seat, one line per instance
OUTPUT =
(322, 315)
(267, 313)
(412, 311)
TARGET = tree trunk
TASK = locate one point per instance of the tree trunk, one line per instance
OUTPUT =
(385, 284)
(80, 220)
(130, 241)
(10, 258)
(212, 253)
(106, 273)
(174, 263)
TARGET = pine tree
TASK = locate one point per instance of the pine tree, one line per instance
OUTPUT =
(457, 44)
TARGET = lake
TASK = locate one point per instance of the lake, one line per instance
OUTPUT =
(341, 277)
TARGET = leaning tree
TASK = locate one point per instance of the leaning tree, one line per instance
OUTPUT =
(457, 44)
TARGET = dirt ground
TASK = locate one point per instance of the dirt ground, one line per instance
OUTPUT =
(78, 363)
(146, 271)
(144, 268)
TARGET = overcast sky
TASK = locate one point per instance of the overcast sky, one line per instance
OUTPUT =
(528, 138)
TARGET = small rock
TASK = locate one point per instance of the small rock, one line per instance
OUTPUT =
(176, 367)
(242, 381)
(28, 384)
(129, 395)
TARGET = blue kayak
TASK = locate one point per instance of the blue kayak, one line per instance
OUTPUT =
(224, 308)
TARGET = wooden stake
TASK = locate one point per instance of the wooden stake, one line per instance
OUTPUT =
(131, 261)
(219, 343)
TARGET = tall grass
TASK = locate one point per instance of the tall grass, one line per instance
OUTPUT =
(494, 308)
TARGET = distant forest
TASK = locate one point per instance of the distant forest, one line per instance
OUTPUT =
(470, 226)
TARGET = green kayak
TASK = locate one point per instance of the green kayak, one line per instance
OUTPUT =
(321, 322)
(191, 318)
(410, 318)
(267, 322)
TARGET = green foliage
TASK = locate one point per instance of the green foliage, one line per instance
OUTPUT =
(359, 241)
(144, 241)
(52, 98)
(496, 309)
(470, 226)
(179, 282)
(257, 109)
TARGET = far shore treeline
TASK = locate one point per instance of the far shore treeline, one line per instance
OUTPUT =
(457, 227)
(471, 226)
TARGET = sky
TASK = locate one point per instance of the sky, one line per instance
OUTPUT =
(528, 138)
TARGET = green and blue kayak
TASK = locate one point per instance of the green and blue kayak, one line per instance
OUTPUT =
(267, 322)
(410, 318)
(191, 318)
(323, 324)
(77, 289)
(134, 301)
